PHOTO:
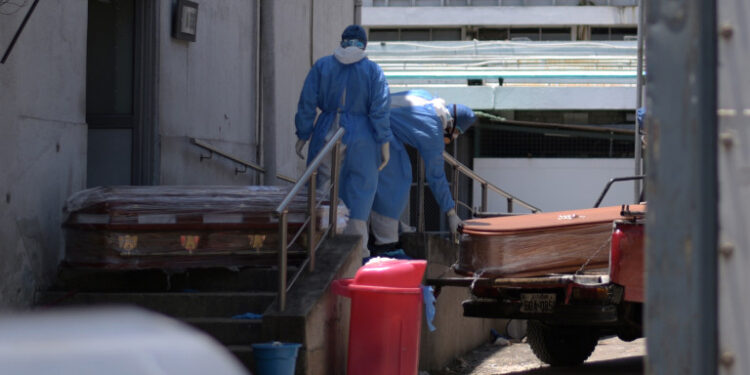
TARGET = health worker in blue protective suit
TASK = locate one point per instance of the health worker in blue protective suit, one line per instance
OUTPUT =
(426, 123)
(350, 91)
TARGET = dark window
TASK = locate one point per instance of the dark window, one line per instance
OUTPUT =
(109, 59)
(614, 33)
(492, 34)
(446, 34)
(415, 34)
(621, 33)
(383, 35)
(495, 139)
(561, 33)
(600, 33)
(525, 34)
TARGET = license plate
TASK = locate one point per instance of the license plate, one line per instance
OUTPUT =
(537, 303)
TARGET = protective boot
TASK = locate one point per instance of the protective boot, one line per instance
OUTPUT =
(384, 229)
(359, 227)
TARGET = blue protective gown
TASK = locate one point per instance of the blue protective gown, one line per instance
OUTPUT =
(421, 128)
(364, 115)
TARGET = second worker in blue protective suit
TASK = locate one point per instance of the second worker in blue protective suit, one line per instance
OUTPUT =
(351, 91)
(426, 123)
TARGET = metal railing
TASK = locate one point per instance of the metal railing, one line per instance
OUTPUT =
(618, 179)
(486, 186)
(246, 164)
(308, 178)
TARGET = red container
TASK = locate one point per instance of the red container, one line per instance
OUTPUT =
(386, 317)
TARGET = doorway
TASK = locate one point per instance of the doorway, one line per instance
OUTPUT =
(120, 113)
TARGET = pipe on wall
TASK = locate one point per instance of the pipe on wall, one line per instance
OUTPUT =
(268, 91)
(258, 89)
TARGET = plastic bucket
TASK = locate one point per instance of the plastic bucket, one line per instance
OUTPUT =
(275, 358)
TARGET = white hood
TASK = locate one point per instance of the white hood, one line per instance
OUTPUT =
(349, 55)
(417, 101)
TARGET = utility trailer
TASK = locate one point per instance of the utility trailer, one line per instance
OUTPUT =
(567, 312)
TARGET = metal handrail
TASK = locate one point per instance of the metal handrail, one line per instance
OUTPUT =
(613, 180)
(486, 185)
(247, 164)
(308, 178)
(458, 169)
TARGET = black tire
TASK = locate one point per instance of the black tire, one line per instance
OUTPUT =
(560, 346)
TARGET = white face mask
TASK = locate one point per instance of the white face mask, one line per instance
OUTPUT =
(348, 55)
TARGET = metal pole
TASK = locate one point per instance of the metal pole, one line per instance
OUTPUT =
(681, 255)
(311, 206)
(282, 259)
(638, 156)
(454, 184)
(334, 198)
(420, 196)
(484, 198)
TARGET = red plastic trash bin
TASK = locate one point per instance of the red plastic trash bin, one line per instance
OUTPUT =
(386, 316)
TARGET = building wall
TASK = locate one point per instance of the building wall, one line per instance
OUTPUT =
(614, 97)
(42, 141)
(207, 90)
(503, 15)
(576, 183)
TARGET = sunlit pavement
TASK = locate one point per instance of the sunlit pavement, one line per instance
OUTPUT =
(611, 356)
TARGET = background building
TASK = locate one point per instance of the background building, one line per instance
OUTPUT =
(529, 65)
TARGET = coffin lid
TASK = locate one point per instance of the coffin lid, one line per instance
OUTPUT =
(546, 220)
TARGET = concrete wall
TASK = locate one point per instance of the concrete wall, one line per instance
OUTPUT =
(42, 141)
(315, 316)
(554, 184)
(297, 46)
(207, 90)
(454, 334)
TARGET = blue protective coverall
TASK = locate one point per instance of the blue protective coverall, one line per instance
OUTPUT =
(421, 127)
(364, 115)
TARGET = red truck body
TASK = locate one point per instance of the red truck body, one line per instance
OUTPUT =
(626, 259)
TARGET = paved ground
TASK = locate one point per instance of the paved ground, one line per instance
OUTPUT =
(611, 356)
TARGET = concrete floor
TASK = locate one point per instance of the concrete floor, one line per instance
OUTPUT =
(611, 356)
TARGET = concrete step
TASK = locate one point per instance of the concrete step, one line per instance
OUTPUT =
(245, 354)
(229, 331)
(201, 279)
(198, 305)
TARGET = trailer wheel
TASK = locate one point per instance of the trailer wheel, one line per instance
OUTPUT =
(561, 347)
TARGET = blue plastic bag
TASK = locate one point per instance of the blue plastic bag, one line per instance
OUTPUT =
(428, 297)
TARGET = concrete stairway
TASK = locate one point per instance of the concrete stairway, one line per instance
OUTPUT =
(204, 298)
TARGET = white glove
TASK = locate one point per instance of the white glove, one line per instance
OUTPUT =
(386, 152)
(300, 144)
(453, 221)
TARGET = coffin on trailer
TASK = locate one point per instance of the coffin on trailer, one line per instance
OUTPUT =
(538, 244)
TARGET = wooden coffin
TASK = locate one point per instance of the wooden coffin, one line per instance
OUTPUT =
(538, 244)
(130, 227)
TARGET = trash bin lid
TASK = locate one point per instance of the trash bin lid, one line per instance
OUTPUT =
(387, 272)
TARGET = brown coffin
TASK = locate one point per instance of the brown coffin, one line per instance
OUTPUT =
(538, 244)
(128, 227)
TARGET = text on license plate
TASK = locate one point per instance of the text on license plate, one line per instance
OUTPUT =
(537, 303)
